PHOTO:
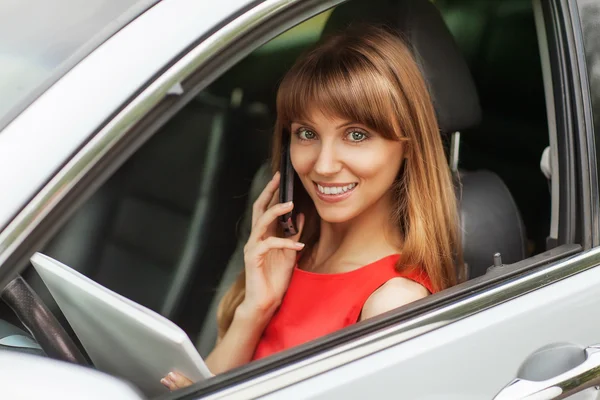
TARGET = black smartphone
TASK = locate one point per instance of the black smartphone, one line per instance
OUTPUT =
(286, 187)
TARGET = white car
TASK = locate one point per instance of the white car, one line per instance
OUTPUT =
(133, 134)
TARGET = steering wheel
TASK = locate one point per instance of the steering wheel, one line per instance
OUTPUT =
(41, 323)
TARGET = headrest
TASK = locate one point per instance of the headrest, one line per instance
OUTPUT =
(420, 24)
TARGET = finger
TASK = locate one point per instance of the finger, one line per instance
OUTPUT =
(168, 384)
(267, 218)
(179, 380)
(274, 242)
(263, 200)
(274, 199)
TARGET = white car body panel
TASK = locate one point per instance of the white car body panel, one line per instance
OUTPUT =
(32, 377)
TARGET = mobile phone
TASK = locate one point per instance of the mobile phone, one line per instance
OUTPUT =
(286, 187)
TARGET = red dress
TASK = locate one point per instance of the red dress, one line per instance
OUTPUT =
(318, 304)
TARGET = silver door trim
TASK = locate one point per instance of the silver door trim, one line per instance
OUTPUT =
(540, 28)
(587, 150)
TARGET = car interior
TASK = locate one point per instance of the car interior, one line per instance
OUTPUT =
(168, 228)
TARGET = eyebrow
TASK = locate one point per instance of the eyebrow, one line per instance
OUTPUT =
(347, 124)
(311, 124)
(302, 122)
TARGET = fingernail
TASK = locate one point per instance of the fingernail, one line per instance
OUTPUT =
(288, 204)
(299, 245)
(164, 382)
(171, 375)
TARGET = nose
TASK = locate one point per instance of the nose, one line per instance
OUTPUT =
(327, 163)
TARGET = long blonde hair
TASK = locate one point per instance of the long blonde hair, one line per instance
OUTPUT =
(370, 76)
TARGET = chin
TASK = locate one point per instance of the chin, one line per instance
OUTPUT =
(333, 216)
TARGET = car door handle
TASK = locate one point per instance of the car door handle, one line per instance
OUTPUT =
(581, 377)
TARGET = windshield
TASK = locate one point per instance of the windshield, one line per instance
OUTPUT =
(40, 40)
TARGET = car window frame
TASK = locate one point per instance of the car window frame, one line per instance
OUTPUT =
(565, 89)
(153, 106)
(591, 120)
(581, 117)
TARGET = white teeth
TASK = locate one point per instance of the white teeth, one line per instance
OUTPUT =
(336, 189)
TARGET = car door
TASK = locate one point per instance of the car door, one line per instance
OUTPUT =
(521, 331)
(468, 341)
(533, 335)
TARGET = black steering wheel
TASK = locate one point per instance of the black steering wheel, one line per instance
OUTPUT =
(41, 323)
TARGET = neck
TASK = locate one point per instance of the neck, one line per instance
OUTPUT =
(364, 239)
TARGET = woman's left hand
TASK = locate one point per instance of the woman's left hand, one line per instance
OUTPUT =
(174, 381)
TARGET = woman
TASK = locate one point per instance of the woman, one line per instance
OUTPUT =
(376, 207)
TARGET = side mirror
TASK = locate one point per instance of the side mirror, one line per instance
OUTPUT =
(28, 376)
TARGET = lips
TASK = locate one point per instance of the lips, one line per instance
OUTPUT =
(333, 193)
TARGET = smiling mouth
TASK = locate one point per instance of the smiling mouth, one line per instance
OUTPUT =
(335, 190)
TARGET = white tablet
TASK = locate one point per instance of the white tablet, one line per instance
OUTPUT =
(121, 337)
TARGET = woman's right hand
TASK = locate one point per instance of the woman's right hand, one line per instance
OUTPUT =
(269, 260)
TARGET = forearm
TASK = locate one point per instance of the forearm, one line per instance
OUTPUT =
(237, 346)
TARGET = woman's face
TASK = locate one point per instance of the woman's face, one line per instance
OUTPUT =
(344, 166)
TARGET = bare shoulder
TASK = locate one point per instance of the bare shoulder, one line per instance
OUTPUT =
(394, 293)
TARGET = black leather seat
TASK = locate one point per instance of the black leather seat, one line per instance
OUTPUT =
(490, 221)
(165, 223)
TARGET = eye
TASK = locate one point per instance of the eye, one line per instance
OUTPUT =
(357, 136)
(305, 134)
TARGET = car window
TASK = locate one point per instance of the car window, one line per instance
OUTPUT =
(40, 40)
(167, 228)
